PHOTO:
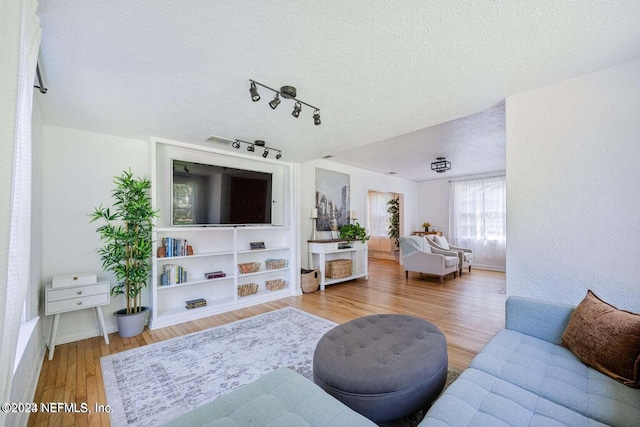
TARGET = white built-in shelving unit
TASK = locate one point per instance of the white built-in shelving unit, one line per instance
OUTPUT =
(219, 248)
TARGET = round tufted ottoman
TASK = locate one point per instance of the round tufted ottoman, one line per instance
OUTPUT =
(384, 366)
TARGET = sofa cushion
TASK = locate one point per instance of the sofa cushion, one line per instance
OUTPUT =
(479, 399)
(441, 241)
(282, 398)
(556, 374)
(605, 338)
(450, 261)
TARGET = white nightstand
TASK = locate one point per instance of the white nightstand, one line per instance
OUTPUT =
(63, 300)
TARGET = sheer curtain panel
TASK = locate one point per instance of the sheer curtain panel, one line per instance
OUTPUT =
(20, 33)
(478, 219)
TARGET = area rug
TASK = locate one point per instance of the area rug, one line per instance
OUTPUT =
(153, 384)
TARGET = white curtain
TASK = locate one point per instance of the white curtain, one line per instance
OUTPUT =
(378, 220)
(20, 34)
(478, 219)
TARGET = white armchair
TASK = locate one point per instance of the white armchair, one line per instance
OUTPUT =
(465, 255)
(418, 256)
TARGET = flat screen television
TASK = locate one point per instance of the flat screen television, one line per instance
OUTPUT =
(203, 195)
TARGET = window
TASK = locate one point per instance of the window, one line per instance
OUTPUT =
(478, 219)
(378, 218)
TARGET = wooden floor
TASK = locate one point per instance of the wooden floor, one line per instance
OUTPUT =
(468, 309)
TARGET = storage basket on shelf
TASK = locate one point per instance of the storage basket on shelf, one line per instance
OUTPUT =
(337, 269)
(275, 263)
(247, 289)
(248, 267)
(276, 285)
(309, 280)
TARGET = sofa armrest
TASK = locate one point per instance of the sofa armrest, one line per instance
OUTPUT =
(540, 319)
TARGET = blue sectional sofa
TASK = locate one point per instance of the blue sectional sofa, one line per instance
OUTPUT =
(522, 377)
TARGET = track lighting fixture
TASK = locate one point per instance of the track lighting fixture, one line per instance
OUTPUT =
(441, 165)
(287, 92)
(251, 147)
(255, 96)
(275, 101)
(296, 110)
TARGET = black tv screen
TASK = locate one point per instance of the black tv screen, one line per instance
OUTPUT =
(217, 195)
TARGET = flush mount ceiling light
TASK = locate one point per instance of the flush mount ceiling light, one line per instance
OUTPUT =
(441, 165)
(287, 92)
(251, 147)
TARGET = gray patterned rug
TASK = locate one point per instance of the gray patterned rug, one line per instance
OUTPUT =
(153, 384)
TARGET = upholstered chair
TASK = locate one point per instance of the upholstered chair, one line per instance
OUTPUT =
(418, 256)
(465, 255)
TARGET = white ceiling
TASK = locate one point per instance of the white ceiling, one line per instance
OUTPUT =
(381, 72)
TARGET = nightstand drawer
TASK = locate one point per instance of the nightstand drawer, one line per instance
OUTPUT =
(77, 291)
(79, 303)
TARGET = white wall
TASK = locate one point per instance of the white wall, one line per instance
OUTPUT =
(433, 205)
(361, 182)
(77, 172)
(573, 188)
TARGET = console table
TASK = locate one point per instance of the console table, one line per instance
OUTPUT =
(427, 233)
(321, 251)
(72, 298)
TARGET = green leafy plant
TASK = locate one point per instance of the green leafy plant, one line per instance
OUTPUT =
(394, 220)
(127, 237)
(352, 232)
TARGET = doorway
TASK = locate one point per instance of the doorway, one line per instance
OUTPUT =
(381, 245)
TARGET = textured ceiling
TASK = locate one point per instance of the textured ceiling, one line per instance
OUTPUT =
(378, 70)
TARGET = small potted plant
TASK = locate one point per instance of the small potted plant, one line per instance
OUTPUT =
(351, 232)
(426, 226)
(127, 249)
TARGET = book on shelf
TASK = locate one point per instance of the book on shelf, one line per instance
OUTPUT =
(214, 275)
(194, 303)
(172, 274)
(175, 246)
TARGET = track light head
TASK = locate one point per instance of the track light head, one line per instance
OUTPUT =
(275, 101)
(279, 155)
(251, 148)
(266, 153)
(296, 110)
(235, 144)
(316, 117)
(253, 90)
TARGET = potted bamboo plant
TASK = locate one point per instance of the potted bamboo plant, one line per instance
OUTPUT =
(127, 249)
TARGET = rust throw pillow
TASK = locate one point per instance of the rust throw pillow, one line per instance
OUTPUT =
(606, 339)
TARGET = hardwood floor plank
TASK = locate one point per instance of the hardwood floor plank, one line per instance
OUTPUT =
(468, 310)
